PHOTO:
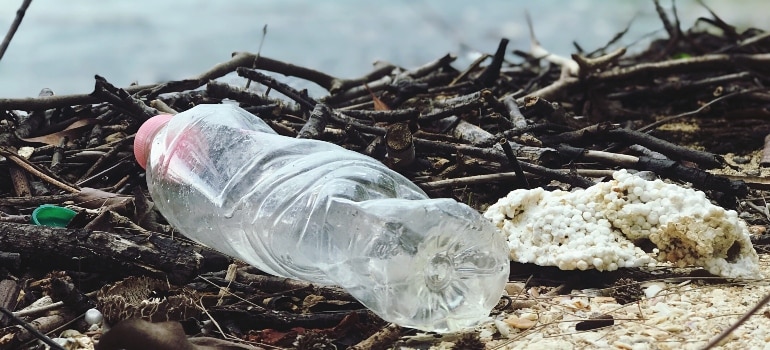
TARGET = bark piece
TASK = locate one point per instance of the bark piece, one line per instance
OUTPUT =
(154, 255)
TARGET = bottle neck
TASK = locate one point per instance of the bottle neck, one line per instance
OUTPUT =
(145, 135)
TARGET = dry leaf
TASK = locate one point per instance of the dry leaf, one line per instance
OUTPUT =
(72, 131)
(378, 104)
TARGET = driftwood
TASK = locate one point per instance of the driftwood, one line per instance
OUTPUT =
(79, 249)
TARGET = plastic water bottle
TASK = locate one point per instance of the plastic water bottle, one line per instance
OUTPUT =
(312, 210)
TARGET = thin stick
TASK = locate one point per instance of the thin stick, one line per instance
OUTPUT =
(259, 52)
(14, 26)
(44, 338)
(514, 163)
(735, 326)
(689, 113)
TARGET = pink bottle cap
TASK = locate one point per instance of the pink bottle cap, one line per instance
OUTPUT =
(143, 138)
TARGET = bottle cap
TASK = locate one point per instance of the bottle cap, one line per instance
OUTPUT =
(143, 139)
(52, 215)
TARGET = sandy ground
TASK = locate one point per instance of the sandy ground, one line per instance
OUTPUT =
(676, 314)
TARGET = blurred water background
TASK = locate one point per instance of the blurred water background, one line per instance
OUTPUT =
(62, 44)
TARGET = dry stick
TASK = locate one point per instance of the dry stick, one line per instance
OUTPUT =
(44, 338)
(106, 156)
(529, 128)
(683, 85)
(391, 116)
(223, 90)
(502, 177)
(239, 59)
(714, 342)
(468, 180)
(713, 61)
(701, 108)
(119, 164)
(663, 167)
(547, 92)
(306, 101)
(162, 107)
(514, 163)
(286, 90)
(14, 26)
(259, 52)
(316, 122)
(122, 99)
(750, 41)
(58, 101)
(475, 64)
(666, 22)
(493, 155)
(671, 150)
(728, 30)
(450, 111)
(384, 80)
(249, 60)
(615, 133)
(35, 170)
(383, 339)
(587, 64)
(705, 62)
(489, 76)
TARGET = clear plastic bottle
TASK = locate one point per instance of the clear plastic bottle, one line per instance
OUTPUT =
(312, 210)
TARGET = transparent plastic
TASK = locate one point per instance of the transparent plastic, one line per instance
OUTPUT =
(312, 210)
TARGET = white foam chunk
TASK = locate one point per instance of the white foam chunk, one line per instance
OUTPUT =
(599, 227)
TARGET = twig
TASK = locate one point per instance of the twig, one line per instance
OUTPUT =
(222, 90)
(383, 79)
(239, 59)
(383, 339)
(286, 90)
(682, 66)
(259, 52)
(592, 64)
(557, 88)
(14, 26)
(665, 20)
(681, 86)
(489, 76)
(568, 65)
(122, 99)
(514, 163)
(391, 116)
(316, 122)
(450, 111)
(58, 101)
(35, 170)
(44, 338)
(714, 342)
(502, 177)
(475, 64)
(685, 114)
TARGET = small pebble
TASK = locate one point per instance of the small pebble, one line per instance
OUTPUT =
(93, 316)
(519, 323)
(741, 160)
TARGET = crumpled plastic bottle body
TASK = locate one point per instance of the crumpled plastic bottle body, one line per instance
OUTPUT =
(312, 210)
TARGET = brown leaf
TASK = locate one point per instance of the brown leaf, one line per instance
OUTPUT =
(92, 198)
(378, 104)
(71, 132)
